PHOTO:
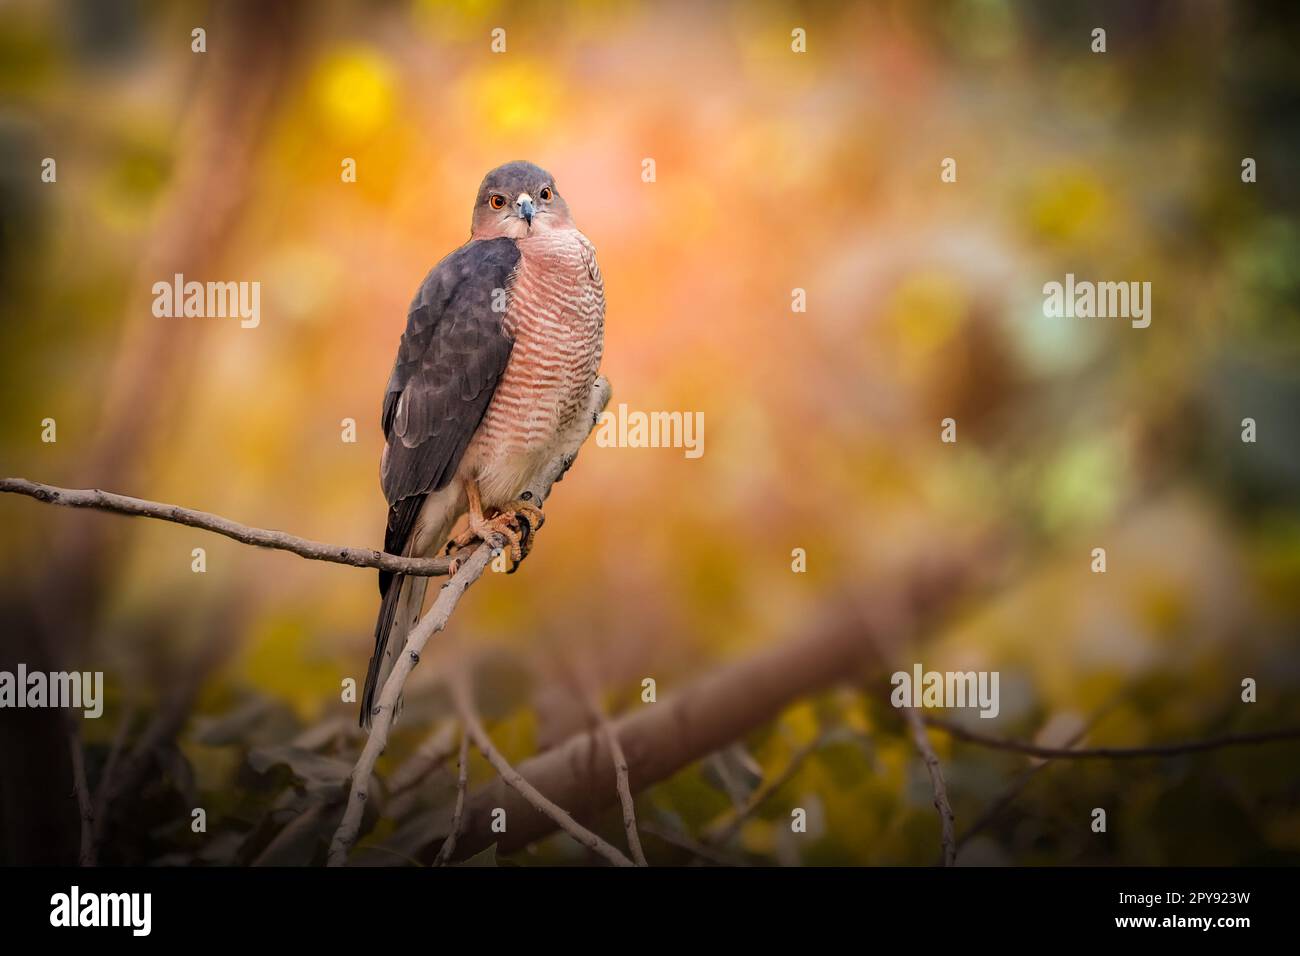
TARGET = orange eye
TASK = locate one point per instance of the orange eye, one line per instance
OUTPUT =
(497, 202)
(545, 194)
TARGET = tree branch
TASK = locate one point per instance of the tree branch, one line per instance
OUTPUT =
(661, 738)
(434, 621)
(437, 747)
(941, 804)
(621, 777)
(516, 781)
(462, 784)
(1026, 776)
(258, 537)
(1113, 753)
(85, 809)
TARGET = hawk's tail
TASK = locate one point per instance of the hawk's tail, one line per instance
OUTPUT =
(399, 611)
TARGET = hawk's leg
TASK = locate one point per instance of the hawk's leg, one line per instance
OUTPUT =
(516, 522)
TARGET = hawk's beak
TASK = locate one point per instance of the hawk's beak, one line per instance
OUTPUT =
(525, 206)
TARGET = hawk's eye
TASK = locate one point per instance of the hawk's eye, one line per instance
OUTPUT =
(497, 202)
(545, 194)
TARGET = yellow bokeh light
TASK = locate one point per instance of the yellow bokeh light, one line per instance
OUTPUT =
(516, 96)
(925, 312)
(354, 92)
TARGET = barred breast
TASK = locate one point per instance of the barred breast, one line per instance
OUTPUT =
(555, 313)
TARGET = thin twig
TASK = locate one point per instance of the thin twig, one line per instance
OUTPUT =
(105, 785)
(404, 794)
(622, 780)
(436, 748)
(259, 537)
(729, 826)
(624, 786)
(941, 804)
(457, 816)
(1114, 753)
(699, 717)
(1026, 776)
(538, 800)
(85, 810)
(114, 755)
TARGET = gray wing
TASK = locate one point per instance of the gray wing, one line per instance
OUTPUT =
(453, 353)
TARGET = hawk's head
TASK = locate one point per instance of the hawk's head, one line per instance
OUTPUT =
(518, 200)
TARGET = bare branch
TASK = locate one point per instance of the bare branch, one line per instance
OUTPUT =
(114, 755)
(105, 785)
(941, 804)
(621, 778)
(1026, 777)
(697, 719)
(1114, 753)
(434, 621)
(403, 792)
(81, 789)
(258, 537)
(525, 789)
(436, 748)
(462, 784)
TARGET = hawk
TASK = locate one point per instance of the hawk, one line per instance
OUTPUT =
(501, 349)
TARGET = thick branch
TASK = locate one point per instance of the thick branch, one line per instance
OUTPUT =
(724, 705)
(661, 738)
(259, 537)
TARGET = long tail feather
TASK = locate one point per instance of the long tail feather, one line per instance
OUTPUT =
(403, 600)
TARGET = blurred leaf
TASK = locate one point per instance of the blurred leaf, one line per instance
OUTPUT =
(316, 771)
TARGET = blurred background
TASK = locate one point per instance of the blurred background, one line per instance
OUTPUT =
(774, 171)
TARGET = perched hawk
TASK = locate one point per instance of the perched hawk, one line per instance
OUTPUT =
(492, 379)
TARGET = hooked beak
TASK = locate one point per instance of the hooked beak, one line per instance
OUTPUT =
(524, 204)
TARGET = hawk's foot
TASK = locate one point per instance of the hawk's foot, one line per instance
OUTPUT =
(517, 522)
(527, 518)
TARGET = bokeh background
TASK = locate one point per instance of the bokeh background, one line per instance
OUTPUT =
(775, 171)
